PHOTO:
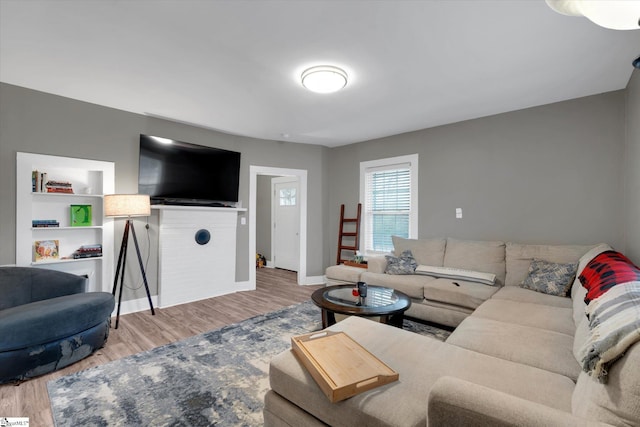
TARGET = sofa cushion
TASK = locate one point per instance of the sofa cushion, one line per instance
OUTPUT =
(485, 256)
(50, 320)
(412, 284)
(457, 274)
(606, 270)
(376, 264)
(618, 401)
(278, 411)
(438, 312)
(557, 319)
(456, 402)
(425, 251)
(344, 273)
(516, 293)
(513, 378)
(464, 294)
(23, 285)
(519, 256)
(550, 277)
(401, 264)
(548, 350)
(403, 402)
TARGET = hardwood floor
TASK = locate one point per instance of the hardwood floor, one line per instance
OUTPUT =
(140, 331)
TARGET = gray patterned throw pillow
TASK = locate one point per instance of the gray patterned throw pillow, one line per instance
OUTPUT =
(550, 277)
(403, 264)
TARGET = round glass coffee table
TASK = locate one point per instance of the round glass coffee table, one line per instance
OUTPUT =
(386, 303)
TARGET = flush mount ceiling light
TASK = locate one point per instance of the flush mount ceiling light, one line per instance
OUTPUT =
(613, 14)
(324, 79)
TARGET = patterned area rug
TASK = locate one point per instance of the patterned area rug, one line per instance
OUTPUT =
(216, 378)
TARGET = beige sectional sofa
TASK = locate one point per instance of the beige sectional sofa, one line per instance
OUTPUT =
(438, 299)
(513, 358)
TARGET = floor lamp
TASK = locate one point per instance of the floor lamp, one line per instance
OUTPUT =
(127, 206)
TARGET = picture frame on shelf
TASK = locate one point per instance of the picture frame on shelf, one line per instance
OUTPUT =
(46, 250)
(81, 215)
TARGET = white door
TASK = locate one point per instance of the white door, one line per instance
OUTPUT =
(285, 236)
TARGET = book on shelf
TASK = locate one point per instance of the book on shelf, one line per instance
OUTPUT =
(60, 190)
(40, 183)
(44, 223)
(44, 250)
(59, 187)
(38, 180)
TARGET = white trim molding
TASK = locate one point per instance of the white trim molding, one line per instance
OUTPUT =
(410, 161)
(254, 171)
(135, 305)
(316, 280)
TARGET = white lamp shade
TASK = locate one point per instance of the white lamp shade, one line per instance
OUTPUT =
(127, 205)
(613, 14)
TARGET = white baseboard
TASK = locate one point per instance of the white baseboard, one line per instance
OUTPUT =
(135, 305)
(316, 280)
(245, 286)
(218, 293)
(142, 304)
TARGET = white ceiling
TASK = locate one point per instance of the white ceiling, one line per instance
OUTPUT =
(234, 66)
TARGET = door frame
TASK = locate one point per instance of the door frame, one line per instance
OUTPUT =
(301, 174)
(274, 205)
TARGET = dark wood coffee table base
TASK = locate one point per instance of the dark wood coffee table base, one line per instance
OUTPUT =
(329, 318)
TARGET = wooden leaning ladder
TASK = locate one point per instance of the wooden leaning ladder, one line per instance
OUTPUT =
(352, 236)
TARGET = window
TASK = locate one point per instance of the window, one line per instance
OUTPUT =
(288, 197)
(389, 197)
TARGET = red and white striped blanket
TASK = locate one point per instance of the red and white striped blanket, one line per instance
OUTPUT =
(614, 326)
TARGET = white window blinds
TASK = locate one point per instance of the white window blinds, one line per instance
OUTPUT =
(388, 203)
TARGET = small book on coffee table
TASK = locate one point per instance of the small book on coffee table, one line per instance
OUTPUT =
(341, 367)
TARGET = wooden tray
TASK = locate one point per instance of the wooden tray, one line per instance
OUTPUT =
(341, 367)
(355, 264)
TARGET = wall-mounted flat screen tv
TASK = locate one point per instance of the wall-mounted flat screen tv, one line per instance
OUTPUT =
(181, 173)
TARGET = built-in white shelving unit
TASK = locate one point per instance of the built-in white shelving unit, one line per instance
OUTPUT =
(90, 180)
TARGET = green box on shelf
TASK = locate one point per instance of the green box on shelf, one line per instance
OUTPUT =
(80, 215)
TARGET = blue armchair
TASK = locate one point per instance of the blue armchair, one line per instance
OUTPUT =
(47, 321)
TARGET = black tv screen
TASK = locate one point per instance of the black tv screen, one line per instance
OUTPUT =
(176, 172)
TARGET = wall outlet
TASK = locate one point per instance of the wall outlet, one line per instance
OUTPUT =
(458, 213)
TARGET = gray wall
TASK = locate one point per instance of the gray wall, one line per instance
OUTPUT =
(36, 122)
(632, 170)
(263, 215)
(549, 174)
